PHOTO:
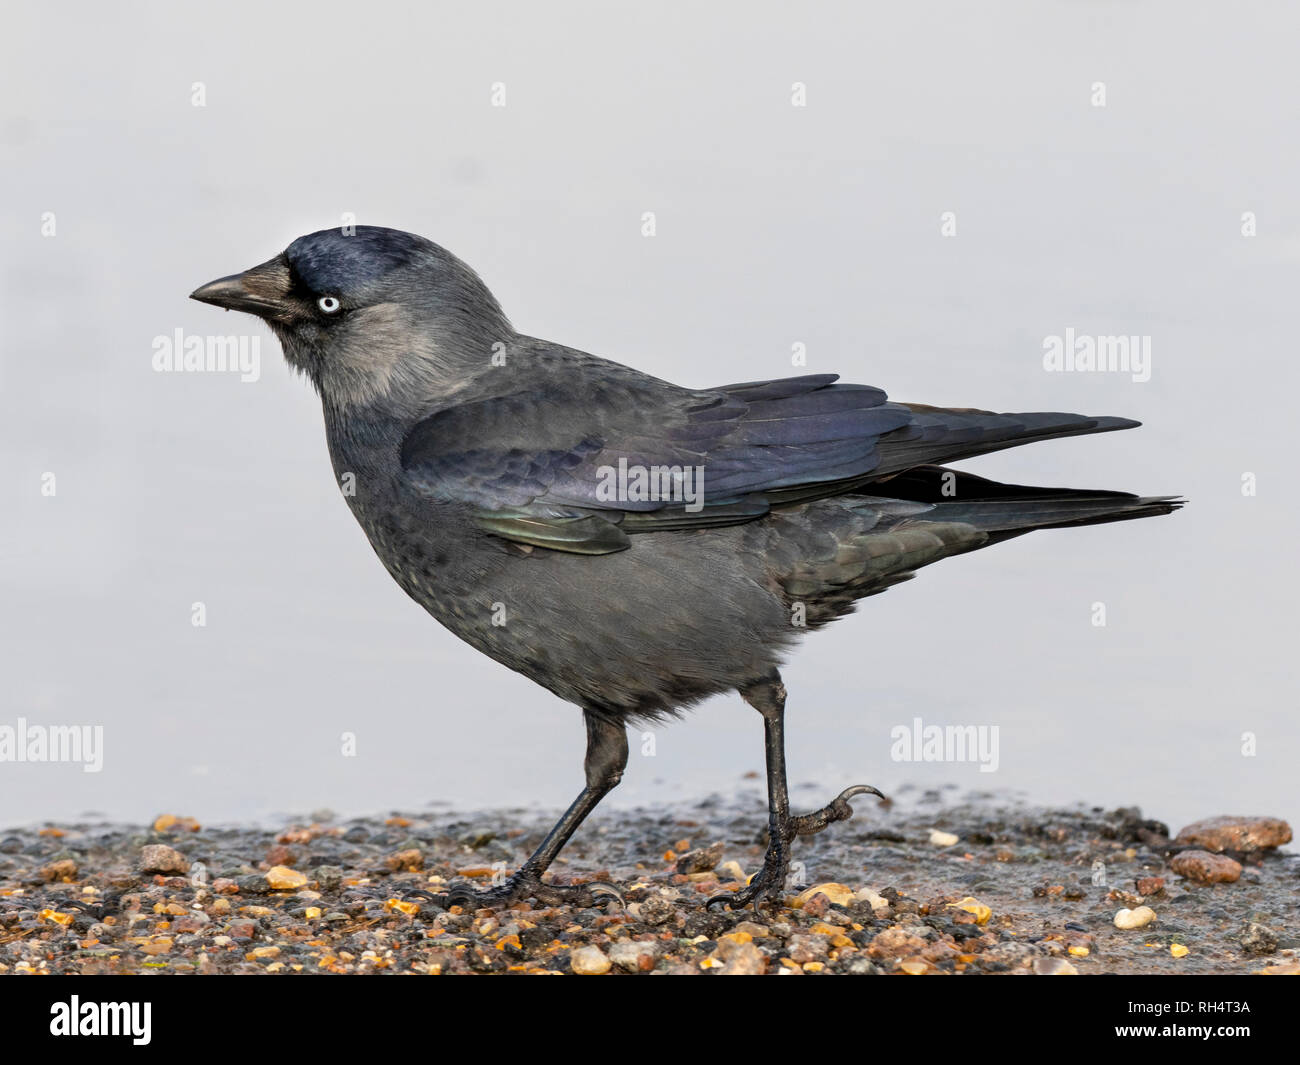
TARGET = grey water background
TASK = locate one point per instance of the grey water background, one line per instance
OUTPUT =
(776, 225)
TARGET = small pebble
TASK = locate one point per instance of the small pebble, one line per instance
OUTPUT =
(282, 878)
(836, 893)
(700, 861)
(1258, 939)
(1243, 834)
(744, 959)
(589, 961)
(407, 861)
(64, 870)
(1206, 868)
(731, 871)
(896, 942)
(878, 903)
(633, 956)
(1138, 918)
(159, 858)
(657, 910)
(807, 948)
(977, 909)
(172, 823)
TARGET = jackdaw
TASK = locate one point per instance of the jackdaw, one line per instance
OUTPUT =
(629, 544)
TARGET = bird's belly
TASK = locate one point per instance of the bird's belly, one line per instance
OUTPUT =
(628, 633)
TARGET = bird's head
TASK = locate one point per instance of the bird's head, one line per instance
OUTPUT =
(370, 314)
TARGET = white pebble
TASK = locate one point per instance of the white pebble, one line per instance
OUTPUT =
(589, 961)
(879, 904)
(1138, 918)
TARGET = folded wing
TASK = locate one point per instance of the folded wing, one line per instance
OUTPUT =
(541, 465)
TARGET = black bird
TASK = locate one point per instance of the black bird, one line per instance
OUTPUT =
(631, 545)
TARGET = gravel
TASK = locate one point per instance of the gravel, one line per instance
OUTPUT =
(1021, 890)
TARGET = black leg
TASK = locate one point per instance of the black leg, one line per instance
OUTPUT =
(606, 759)
(768, 698)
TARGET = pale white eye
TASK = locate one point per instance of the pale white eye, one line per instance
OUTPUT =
(328, 304)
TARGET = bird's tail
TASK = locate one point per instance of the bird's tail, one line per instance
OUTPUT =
(1006, 510)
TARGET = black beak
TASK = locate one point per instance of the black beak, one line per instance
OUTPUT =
(262, 291)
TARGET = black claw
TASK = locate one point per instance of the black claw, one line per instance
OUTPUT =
(427, 896)
(838, 809)
(738, 900)
(762, 884)
(860, 789)
(108, 904)
(608, 889)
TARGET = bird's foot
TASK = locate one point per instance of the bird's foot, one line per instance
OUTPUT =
(838, 809)
(525, 884)
(767, 883)
(108, 904)
(770, 881)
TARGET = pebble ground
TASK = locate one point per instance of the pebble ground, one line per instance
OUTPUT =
(980, 885)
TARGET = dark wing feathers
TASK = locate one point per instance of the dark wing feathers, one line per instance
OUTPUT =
(535, 464)
(938, 434)
(753, 391)
(1005, 510)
